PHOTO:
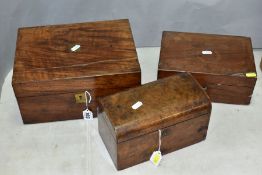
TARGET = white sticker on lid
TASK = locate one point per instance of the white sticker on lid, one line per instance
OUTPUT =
(75, 48)
(207, 52)
(137, 105)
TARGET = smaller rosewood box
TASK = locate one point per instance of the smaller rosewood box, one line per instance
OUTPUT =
(54, 65)
(222, 64)
(131, 120)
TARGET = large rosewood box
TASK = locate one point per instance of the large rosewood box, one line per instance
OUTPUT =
(131, 120)
(223, 65)
(55, 65)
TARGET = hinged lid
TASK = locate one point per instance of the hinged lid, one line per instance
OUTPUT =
(154, 105)
(207, 53)
(74, 50)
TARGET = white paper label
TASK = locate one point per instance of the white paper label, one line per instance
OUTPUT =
(207, 52)
(75, 48)
(156, 158)
(87, 114)
(137, 105)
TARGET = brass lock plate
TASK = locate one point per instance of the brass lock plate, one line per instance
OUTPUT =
(80, 98)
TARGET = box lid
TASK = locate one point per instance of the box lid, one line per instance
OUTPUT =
(74, 50)
(164, 103)
(207, 53)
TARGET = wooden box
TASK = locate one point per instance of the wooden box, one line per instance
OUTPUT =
(176, 105)
(55, 65)
(223, 65)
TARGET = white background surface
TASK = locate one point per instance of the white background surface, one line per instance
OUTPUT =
(233, 144)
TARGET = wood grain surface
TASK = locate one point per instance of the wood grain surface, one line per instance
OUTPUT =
(172, 104)
(44, 53)
(223, 70)
(47, 73)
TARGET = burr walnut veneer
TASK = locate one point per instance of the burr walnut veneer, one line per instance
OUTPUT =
(54, 65)
(177, 106)
(223, 65)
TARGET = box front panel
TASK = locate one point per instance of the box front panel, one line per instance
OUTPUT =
(221, 98)
(175, 137)
(60, 86)
(57, 101)
(221, 88)
(51, 108)
(58, 107)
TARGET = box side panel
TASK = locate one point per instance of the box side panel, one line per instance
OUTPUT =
(175, 137)
(107, 138)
